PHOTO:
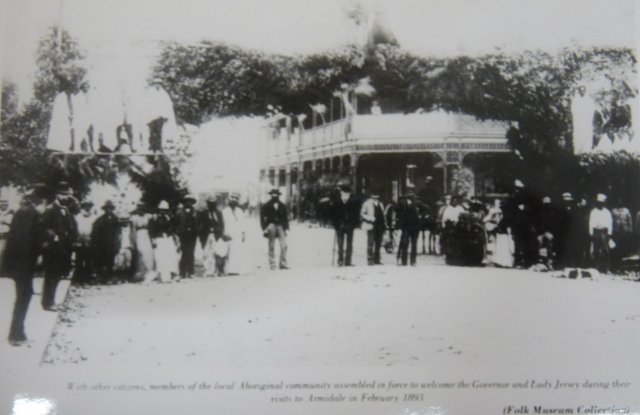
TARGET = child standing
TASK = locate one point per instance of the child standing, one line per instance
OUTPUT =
(221, 253)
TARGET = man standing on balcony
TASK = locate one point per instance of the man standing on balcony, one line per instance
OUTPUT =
(372, 215)
(345, 218)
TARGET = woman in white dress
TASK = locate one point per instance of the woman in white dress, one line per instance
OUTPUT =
(144, 262)
(165, 242)
(234, 227)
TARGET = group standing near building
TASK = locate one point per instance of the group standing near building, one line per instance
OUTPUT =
(67, 239)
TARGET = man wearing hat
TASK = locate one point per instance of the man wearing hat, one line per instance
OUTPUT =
(345, 216)
(84, 262)
(600, 229)
(409, 224)
(23, 249)
(105, 242)
(275, 224)
(187, 232)
(372, 215)
(210, 230)
(60, 232)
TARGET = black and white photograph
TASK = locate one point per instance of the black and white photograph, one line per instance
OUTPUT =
(416, 207)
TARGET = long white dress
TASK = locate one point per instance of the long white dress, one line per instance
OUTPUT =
(144, 267)
(235, 226)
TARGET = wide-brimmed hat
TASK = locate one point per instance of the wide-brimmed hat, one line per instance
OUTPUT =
(567, 196)
(163, 205)
(108, 205)
(601, 197)
(189, 197)
(86, 203)
(212, 199)
(274, 191)
(345, 187)
(63, 188)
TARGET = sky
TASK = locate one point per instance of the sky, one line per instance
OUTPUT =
(119, 36)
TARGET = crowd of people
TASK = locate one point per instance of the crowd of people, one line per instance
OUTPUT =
(513, 232)
(65, 238)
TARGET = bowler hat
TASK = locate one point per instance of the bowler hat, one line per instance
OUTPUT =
(212, 199)
(86, 203)
(108, 205)
(275, 191)
(189, 197)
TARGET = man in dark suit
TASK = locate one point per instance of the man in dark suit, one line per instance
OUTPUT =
(275, 224)
(210, 229)
(345, 216)
(105, 242)
(187, 231)
(23, 249)
(60, 233)
(409, 224)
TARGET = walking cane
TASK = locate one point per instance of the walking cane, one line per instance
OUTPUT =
(333, 252)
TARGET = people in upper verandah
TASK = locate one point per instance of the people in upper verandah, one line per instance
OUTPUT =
(275, 225)
(210, 230)
(23, 249)
(105, 242)
(187, 232)
(600, 229)
(372, 215)
(60, 232)
(345, 216)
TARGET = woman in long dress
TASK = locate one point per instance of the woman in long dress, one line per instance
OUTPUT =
(144, 261)
(234, 227)
(164, 241)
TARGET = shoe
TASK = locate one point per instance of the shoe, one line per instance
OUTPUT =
(349, 265)
(50, 308)
(284, 267)
(17, 343)
(378, 263)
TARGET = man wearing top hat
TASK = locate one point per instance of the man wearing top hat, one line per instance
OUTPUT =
(60, 231)
(187, 232)
(23, 249)
(275, 225)
(345, 216)
(210, 230)
(372, 215)
(600, 230)
(105, 242)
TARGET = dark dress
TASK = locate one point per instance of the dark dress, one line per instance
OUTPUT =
(105, 243)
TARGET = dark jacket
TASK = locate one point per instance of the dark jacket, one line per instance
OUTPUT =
(210, 222)
(345, 215)
(269, 214)
(161, 225)
(187, 223)
(105, 235)
(409, 217)
(23, 242)
(60, 230)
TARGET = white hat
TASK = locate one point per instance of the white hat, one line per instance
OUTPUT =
(567, 196)
(546, 199)
(163, 205)
(601, 197)
(519, 183)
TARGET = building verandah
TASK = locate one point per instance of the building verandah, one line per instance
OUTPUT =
(391, 152)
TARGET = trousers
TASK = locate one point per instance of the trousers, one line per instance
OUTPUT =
(277, 232)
